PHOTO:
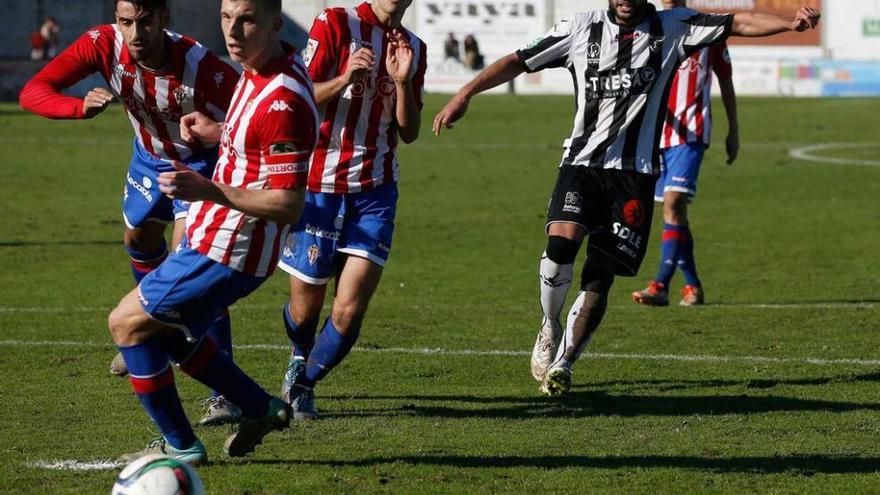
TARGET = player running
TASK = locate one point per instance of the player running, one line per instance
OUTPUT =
(622, 61)
(235, 229)
(368, 72)
(685, 138)
(158, 76)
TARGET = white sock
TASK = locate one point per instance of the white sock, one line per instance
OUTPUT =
(568, 338)
(555, 280)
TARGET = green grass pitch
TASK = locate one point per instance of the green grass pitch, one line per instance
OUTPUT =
(774, 387)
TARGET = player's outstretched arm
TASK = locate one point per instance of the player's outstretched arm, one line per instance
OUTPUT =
(278, 205)
(757, 24)
(501, 71)
(197, 127)
(728, 97)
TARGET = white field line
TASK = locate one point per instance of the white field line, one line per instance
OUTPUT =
(259, 307)
(807, 153)
(74, 465)
(439, 351)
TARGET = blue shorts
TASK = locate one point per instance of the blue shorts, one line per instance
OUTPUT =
(358, 224)
(189, 290)
(681, 167)
(141, 199)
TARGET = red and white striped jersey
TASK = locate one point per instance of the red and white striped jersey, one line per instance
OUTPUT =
(275, 105)
(689, 119)
(154, 102)
(357, 142)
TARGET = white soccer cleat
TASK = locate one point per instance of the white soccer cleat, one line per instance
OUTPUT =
(557, 381)
(545, 348)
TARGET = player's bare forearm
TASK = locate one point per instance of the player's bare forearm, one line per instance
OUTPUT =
(728, 97)
(501, 71)
(409, 117)
(326, 91)
(278, 205)
(757, 24)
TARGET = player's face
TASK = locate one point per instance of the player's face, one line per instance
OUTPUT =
(627, 11)
(247, 30)
(142, 30)
(394, 8)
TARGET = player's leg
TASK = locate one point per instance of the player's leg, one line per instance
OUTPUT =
(565, 233)
(619, 217)
(364, 247)
(309, 258)
(138, 337)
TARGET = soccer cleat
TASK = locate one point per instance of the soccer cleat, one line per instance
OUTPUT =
(691, 295)
(195, 455)
(302, 402)
(654, 295)
(118, 366)
(294, 367)
(545, 348)
(251, 431)
(219, 411)
(557, 381)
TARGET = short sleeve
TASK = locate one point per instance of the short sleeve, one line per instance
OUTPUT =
(287, 133)
(550, 50)
(702, 30)
(320, 52)
(215, 85)
(719, 56)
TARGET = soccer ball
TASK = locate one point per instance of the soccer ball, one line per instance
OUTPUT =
(158, 474)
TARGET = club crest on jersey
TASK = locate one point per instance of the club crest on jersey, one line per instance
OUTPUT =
(314, 253)
(593, 50)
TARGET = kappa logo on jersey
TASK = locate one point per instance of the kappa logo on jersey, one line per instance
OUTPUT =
(309, 53)
(572, 202)
(322, 17)
(279, 106)
(94, 35)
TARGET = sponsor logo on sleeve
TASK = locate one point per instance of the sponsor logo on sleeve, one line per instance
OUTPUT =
(309, 53)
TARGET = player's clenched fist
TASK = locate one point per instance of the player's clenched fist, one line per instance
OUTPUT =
(186, 184)
(198, 127)
(806, 18)
(96, 102)
(360, 63)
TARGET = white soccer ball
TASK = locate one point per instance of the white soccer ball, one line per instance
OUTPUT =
(158, 474)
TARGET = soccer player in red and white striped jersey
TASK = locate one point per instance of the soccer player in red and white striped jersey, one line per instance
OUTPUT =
(158, 76)
(684, 139)
(368, 72)
(235, 228)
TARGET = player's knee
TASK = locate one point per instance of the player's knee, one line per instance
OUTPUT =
(562, 251)
(347, 316)
(304, 314)
(597, 276)
(120, 328)
(142, 240)
(675, 210)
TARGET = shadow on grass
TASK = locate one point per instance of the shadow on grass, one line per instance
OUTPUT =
(798, 464)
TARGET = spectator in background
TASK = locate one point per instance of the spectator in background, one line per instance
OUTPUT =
(473, 59)
(45, 41)
(451, 49)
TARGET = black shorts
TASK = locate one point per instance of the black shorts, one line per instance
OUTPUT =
(615, 208)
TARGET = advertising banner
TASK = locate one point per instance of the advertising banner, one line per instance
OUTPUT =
(785, 8)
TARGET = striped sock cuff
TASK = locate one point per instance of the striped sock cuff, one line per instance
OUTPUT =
(152, 384)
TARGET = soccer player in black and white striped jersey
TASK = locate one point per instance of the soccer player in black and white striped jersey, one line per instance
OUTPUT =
(622, 61)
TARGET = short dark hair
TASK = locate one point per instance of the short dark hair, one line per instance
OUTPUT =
(271, 6)
(148, 5)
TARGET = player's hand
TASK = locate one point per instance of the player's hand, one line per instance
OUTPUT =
(732, 146)
(360, 63)
(186, 184)
(96, 102)
(806, 18)
(399, 59)
(197, 127)
(454, 110)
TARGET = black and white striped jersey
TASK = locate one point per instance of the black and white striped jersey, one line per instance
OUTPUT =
(622, 78)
